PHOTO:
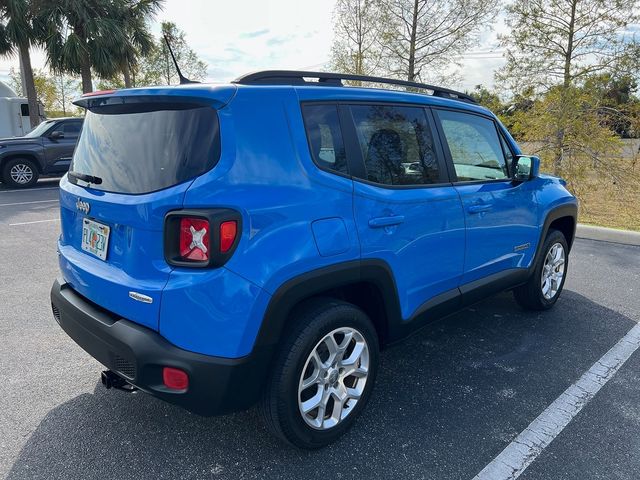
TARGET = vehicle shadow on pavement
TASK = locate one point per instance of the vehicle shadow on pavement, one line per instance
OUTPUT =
(447, 401)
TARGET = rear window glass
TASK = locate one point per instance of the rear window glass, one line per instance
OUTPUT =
(147, 150)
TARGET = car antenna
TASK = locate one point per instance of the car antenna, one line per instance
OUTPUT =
(183, 80)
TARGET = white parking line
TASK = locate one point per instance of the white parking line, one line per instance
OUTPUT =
(526, 447)
(31, 190)
(27, 203)
(35, 221)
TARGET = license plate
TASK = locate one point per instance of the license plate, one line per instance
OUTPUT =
(95, 238)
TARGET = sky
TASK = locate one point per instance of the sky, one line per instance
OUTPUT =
(241, 36)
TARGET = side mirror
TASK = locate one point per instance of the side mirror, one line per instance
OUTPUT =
(525, 167)
(57, 135)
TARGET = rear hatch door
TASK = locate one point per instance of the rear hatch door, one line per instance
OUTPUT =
(135, 159)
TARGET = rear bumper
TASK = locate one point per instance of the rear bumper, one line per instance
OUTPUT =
(216, 385)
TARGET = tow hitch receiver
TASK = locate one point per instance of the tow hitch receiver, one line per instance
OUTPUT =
(113, 380)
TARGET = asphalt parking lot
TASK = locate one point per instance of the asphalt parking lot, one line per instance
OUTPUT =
(447, 401)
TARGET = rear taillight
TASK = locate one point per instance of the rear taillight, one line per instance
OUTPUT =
(228, 232)
(201, 238)
(194, 239)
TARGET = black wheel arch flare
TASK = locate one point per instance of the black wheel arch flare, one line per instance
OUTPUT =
(378, 273)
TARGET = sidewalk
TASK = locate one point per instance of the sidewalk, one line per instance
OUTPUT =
(603, 234)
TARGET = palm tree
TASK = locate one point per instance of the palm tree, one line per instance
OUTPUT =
(135, 15)
(83, 35)
(16, 36)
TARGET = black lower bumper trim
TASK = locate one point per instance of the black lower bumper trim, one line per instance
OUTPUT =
(217, 385)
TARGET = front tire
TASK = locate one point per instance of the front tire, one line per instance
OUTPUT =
(544, 287)
(323, 374)
(20, 173)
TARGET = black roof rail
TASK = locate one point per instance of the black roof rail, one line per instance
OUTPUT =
(295, 77)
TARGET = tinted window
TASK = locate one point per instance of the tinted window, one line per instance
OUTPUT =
(149, 150)
(325, 137)
(475, 146)
(24, 109)
(397, 144)
(71, 129)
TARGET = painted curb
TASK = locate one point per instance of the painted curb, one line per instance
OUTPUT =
(626, 237)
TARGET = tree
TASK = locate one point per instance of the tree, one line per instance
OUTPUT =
(45, 89)
(135, 15)
(67, 89)
(17, 35)
(488, 98)
(105, 36)
(424, 38)
(56, 92)
(158, 67)
(356, 46)
(553, 47)
(618, 108)
(82, 35)
(565, 41)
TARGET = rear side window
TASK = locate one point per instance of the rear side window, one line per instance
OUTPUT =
(147, 150)
(397, 144)
(325, 137)
(475, 146)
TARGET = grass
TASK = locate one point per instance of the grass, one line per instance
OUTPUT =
(612, 205)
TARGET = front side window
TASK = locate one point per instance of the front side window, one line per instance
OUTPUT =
(71, 129)
(325, 137)
(397, 144)
(474, 145)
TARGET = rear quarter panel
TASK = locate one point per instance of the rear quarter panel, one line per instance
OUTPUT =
(266, 173)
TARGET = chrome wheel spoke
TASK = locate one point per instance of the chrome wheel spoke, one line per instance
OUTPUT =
(355, 371)
(332, 347)
(312, 380)
(353, 358)
(314, 402)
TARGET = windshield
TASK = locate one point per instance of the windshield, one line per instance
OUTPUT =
(147, 150)
(39, 130)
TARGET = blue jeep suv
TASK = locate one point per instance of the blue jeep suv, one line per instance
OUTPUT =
(261, 241)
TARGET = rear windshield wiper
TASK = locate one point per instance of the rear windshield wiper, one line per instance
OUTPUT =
(86, 178)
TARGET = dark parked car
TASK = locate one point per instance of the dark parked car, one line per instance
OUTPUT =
(46, 150)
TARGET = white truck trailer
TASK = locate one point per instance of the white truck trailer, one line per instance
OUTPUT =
(14, 113)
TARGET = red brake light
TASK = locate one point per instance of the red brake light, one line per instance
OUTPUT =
(174, 378)
(194, 239)
(228, 232)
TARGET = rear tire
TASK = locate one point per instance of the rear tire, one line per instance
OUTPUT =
(544, 287)
(20, 173)
(328, 361)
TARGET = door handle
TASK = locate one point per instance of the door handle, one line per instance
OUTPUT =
(380, 222)
(479, 208)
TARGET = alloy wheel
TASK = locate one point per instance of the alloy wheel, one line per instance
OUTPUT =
(553, 271)
(333, 378)
(21, 173)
